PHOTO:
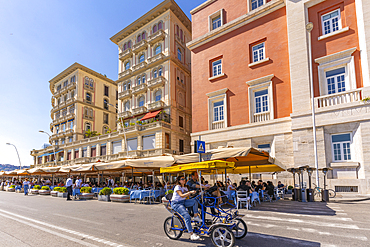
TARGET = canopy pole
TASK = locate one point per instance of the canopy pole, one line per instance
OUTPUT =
(123, 179)
(52, 179)
(250, 174)
(225, 176)
(98, 179)
(132, 177)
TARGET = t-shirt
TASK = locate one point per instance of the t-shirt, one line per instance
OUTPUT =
(258, 188)
(192, 184)
(230, 189)
(176, 197)
(244, 187)
(26, 183)
(280, 185)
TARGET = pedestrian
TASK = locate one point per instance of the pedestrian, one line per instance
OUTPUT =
(26, 186)
(69, 184)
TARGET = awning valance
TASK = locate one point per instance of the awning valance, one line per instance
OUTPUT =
(150, 115)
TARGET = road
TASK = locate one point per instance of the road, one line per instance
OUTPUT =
(48, 221)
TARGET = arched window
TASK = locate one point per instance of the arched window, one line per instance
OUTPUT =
(181, 34)
(158, 49)
(88, 97)
(72, 94)
(124, 87)
(139, 38)
(65, 97)
(105, 129)
(177, 30)
(160, 71)
(155, 29)
(127, 106)
(127, 65)
(138, 81)
(158, 95)
(106, 107)
(129, 85)
(141, 101)
(155, 73)
(143, 36)
(87, 126)
(91, 83)
(125, 47)
(143, 78)
(86, 81)
(91, 112)
(129, 44)
(86, 111)
(179, 54)
(141, 58)
(160, 24)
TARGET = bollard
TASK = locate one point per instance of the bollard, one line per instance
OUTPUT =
(325, 195)
(310, 195)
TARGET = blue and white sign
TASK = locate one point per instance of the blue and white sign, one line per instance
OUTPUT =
(200, 147)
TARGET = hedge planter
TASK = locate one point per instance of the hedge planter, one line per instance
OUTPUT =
(86, 196)
(104, 198)
(54, 193)
(62, 194)
(34, 192)
(119, 198)
(10, 189)
(44, 192)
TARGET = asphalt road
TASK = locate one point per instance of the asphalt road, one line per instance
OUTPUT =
(48, 221)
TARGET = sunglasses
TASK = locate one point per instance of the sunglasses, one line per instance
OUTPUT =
(182, 178)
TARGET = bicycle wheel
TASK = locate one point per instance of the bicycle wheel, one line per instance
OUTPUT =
(332, 193)
(171, 222)
(221, 236)
(240, 230)
(317, 194)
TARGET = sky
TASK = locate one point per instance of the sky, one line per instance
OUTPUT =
(38, 40)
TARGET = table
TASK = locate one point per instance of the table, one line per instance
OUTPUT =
(141, 194)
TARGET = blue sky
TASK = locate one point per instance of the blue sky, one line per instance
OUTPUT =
(38, 40)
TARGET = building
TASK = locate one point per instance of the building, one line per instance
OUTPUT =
(83, 105)
(251, 82)
(154, 81)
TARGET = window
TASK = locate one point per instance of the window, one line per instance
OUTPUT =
(160, 26)
(155, 74)
(56, 142)
(63, 127)
(341, 147)
(139, 38)
(143, 36)
(181, 146)
(127, 65)
(71, 124)
(63, 140)
(331, 22)
(265, 147)
(106, 90)
(59, 87)
(73, 79)
(257, 3)
(106, 107)
(84, 152)
(93, 151)
(160, 72)
(179, 54)
(258, 52)
(141, 101)
(91, 83)
(57, 129)
(167, 141)
(129, 44)
(148, 142)
(141, 58)
(217, 68)
(335, 80)
(158, 49)
(124, 87)
(127, 106)
(72, 94)
(87, 127)
(116, 147)
(132, 144)
(216, 22)
(70, 139)
(261, 101)
(143, 78)
(155, 28)
(65, 83)
(103, 149)
(158, 95)
(125, 47)
(88, 97)
(138, 81)
(105, 118)
(218, 111)
(181, 122)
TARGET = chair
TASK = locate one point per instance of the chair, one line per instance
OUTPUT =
(242, 196)
(150, 197)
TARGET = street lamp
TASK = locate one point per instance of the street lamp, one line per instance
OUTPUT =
(309, 27)
(55, 158)
(123, 126)
(20, 165)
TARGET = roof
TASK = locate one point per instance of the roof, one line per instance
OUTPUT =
(156, 11)
(74, 67)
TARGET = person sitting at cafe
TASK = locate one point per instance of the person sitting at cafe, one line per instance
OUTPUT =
(270, 189)
(230, 190)
(259, 186)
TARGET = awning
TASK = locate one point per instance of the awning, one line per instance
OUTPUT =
(150, 115)
(152, 162)
(207, 166)
(50, 153)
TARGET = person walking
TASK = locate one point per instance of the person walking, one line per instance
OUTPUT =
(69, 184)
(26, 186)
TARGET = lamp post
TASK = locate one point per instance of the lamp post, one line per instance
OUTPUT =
(309, 27)
(123, 126)
(55, 158)
(20, 165)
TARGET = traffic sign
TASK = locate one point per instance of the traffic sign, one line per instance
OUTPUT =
(200, 147)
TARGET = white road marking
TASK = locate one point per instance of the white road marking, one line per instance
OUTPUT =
(303, 215)
(75, 218)
(49, 231)
(65, 230)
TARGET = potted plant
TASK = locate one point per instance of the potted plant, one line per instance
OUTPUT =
(45, 190)
(55, 191)
(290, 188)
(120, 194)
(62, 192)
(104, 194)
(11, 188)
(86, 193)
(35, 190)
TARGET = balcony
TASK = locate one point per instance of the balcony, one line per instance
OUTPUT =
(138, 47)
(88, 102)
(156, 105)
(82, 160)
(139, 89)
(157, 36)
(69, 132)
(180, 85)
(139, 66)
(70, 101)
(139, 110)
(88, 117)
(71, 85)
(88, 87)
(156, 82)
(125, 114)
(261, 117)
(156, 58)
(125, 73)
(125, 94)
(125, 54)
(339, 98)
(218, 125)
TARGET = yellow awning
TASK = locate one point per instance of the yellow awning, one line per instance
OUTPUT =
(206, 166)
(255, 169)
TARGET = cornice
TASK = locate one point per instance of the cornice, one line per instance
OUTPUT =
(260, 80)
(218, 92)
(335, 56)
(202, 6)
(237, 23)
